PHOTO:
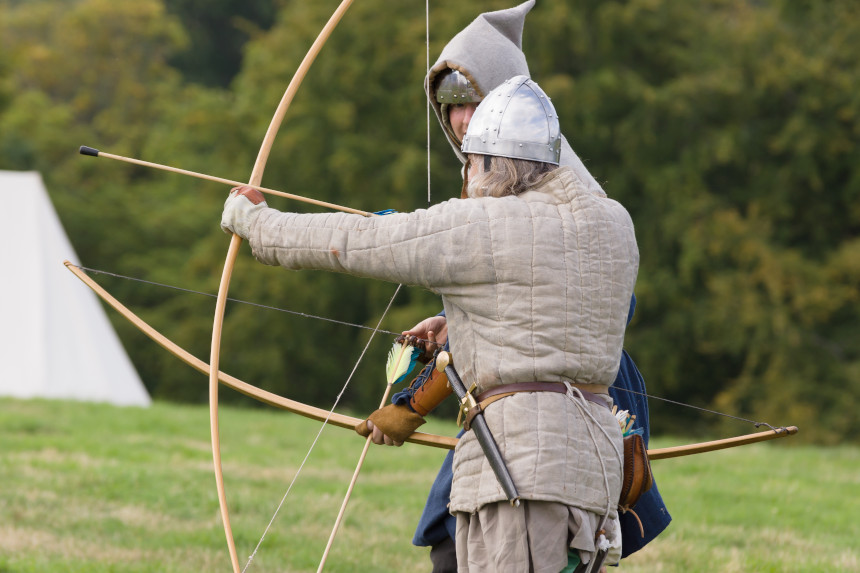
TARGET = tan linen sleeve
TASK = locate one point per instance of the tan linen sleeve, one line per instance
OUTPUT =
(447, 244)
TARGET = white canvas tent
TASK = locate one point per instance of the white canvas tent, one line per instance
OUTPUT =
(55, 337)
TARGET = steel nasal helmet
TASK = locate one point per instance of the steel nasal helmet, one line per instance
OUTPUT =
(516, 120)
(452, 87)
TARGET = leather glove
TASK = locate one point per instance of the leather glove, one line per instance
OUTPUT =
(396, 421)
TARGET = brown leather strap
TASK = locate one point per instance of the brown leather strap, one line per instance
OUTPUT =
(509, 389)
(589, 391)
(628, 509)
(495, 393)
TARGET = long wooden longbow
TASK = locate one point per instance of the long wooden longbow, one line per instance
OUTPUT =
(349, 422)
(233, 251)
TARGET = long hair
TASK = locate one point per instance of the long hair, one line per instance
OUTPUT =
(502, 176)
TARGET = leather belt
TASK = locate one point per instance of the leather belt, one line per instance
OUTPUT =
(487, 397)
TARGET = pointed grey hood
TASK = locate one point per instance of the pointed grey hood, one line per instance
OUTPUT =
(489, 51)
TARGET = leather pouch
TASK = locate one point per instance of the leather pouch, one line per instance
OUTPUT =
(637, 472)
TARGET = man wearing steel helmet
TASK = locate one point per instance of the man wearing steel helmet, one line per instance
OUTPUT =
(476, 60)
(537, 309)
(457, 100)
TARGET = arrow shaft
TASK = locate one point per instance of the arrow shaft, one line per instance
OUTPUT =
(232, 183)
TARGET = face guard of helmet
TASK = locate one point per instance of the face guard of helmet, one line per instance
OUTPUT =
(515, 120)
(452, 88)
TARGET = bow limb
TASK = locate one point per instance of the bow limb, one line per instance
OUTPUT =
(403, 350)
(348, 422)
(264, 396)
(700, 448)
(214, 359)
(349, 489)
(232, 252)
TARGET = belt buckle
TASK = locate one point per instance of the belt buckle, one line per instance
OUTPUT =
(467, 402)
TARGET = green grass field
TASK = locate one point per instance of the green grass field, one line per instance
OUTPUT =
(102, 489)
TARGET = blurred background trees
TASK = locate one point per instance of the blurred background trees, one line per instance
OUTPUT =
(728, 128)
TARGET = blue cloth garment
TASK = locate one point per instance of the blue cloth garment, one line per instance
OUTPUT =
(650, 507)
(436, 523)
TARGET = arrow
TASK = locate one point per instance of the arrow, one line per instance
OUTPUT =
(92, 152)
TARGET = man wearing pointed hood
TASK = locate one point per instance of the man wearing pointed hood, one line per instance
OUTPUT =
(483, 55)
(479, 58)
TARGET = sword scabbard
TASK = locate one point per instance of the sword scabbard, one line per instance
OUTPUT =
(481, 429)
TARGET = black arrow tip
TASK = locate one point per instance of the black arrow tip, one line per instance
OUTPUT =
(89, 151)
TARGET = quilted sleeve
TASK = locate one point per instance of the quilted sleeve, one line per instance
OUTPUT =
(448, 244)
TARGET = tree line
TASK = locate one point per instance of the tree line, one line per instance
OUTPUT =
(728, 128)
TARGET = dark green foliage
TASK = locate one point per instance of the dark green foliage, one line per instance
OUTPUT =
(218, 29)
(728, 128)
